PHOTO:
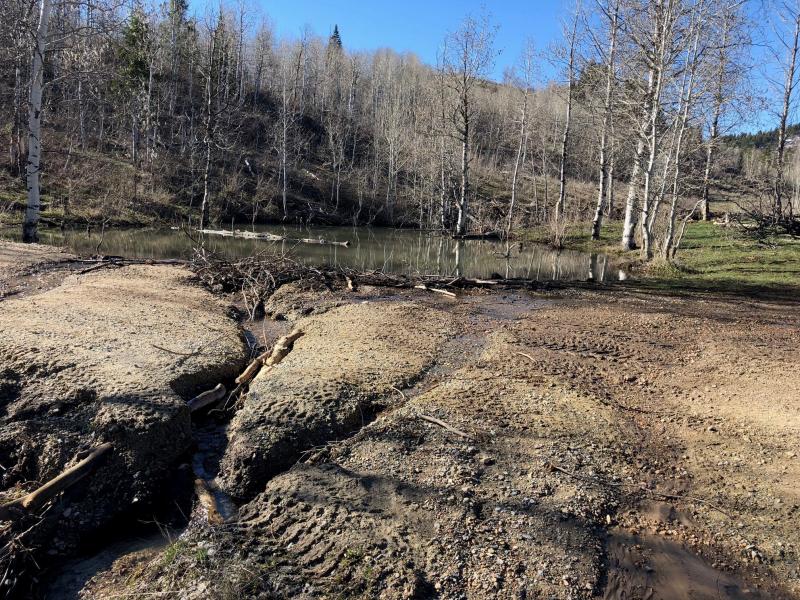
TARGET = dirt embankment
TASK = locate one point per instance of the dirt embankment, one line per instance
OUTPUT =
(344, 369)
(108, 356)
(593, 446)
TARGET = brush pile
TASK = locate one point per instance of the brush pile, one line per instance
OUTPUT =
(259, 276)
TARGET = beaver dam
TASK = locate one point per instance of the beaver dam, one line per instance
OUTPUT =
(259, 428)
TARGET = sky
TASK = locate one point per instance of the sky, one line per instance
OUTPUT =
(419, 26)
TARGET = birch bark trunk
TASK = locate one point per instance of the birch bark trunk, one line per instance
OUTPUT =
(597, 222)
(30, 225)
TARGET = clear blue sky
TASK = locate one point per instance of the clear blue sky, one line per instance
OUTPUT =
(418, 26)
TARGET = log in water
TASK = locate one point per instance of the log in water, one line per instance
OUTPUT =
(271, 237)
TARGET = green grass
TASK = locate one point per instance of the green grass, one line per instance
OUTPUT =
(710, 259)
(727, 260)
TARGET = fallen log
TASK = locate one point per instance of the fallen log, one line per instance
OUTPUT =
(52, 488)
(250, 372)
(282, 347)
(488, 235)
(271, 237)
(271, 357)
(208, 397)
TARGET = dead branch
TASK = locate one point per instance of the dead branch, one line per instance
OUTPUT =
(435, 290)
(270, 358)
(208, 397)
(399, 391)
(282, 347)
(52, 488)
(258, 277)
(444, 425)
(174, 351)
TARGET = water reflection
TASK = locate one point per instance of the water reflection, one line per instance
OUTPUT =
(390, 250)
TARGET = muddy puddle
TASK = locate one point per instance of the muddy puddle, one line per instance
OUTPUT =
(651, 567)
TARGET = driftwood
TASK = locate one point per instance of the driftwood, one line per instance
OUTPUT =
(258, 277)
(270, 358)
(208, 397)
(271, 237)
(52, 488)
(489, 235)
(122, 261)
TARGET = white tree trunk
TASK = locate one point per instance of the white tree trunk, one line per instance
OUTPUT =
(31, 223)
(523, 139)
(780, 153)
(597, 222)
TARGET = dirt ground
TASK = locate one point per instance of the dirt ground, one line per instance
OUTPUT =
(580, 444)
(28, 267)
(107, 356)
(603, 444)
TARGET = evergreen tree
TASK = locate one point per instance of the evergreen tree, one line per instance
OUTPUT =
(335, 39)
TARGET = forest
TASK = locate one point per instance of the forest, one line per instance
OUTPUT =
(133, 114)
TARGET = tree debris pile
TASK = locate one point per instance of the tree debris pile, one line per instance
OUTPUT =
(259, 276)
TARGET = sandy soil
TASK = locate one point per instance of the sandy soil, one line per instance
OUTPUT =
(596, 445)
(27, 268)
(109, 356)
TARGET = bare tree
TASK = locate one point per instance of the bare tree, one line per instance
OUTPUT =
(610, 11)
(788, 37)
(694, 54)
(30, 226)
(572, 39)
(525, 82)
(725, 75)
(468, 56)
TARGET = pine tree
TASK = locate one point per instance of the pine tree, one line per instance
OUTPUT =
(335, 39)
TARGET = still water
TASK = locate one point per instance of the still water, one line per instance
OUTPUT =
(391, 250)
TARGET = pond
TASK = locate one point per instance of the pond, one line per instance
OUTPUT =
(391, 250)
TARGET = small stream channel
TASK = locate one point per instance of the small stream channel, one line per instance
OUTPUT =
(404, 251)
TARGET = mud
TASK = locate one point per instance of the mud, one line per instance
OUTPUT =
(109, 356)
(598, 445)
(593, 466)
(344, 369)
(29, 268)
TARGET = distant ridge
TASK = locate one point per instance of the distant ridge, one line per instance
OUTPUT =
(764, 139)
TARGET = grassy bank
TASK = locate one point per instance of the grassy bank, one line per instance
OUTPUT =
(711, 258)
